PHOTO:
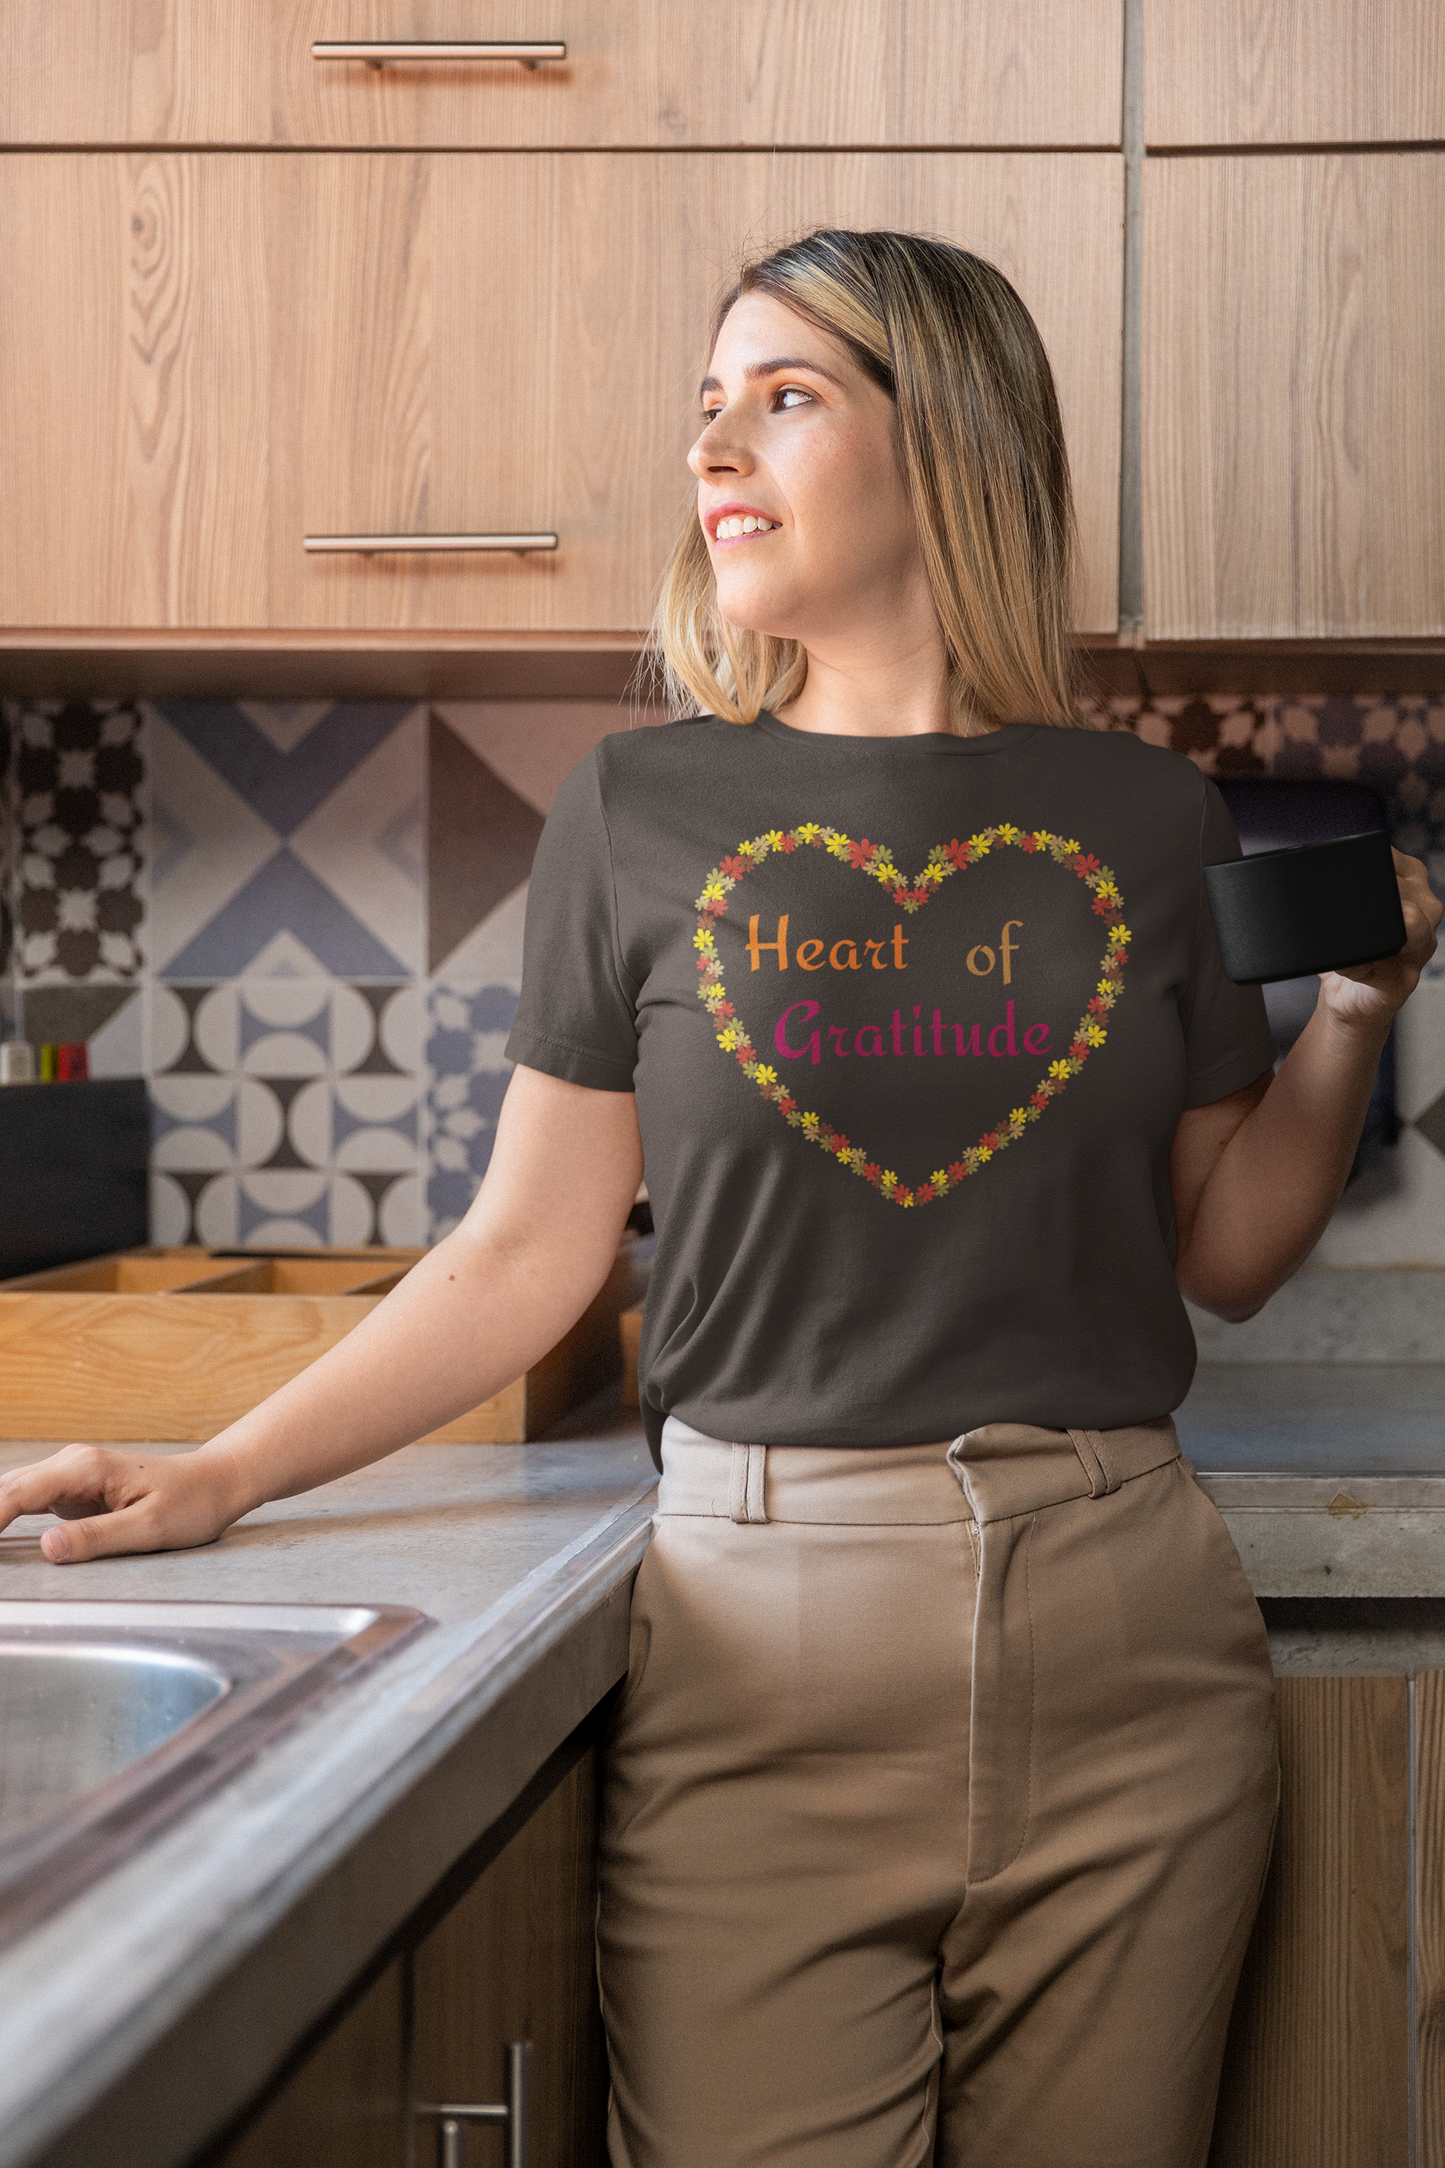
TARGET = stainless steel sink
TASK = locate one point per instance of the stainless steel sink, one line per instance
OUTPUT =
(115, 1717)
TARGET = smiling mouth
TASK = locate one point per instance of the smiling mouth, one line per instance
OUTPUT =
(742, 526)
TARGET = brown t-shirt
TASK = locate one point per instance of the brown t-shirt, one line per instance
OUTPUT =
(911, 1022)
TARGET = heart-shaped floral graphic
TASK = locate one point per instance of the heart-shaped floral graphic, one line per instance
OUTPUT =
(875, 860)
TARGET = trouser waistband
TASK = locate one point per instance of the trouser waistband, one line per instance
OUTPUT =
(998, 1472)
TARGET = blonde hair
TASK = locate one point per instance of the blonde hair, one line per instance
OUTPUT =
(982, 451)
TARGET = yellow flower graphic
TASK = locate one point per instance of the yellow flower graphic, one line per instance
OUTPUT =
(762, 1075)
(702, 939)
(1059, 1068)
(730, 1039)
(1120, 936)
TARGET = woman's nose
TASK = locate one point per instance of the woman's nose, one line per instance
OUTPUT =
(719, 451)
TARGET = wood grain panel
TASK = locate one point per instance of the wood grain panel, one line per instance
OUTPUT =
(1317, 2067)
(135, 354)
(344, 2108)
(1294, 376)
(667, 73)
(569, 299)
(515, 1960)
(204, 359)
(1294, 71)
(180, 1367)
(1430, 1919)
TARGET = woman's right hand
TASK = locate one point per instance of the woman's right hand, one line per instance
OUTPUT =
(109, 1502)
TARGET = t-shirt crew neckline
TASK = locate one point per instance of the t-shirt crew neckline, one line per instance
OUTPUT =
(917, 745)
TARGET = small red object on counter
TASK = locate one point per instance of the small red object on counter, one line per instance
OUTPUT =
(72, 1062)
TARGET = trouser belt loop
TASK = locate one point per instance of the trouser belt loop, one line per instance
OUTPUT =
(1089, 1445)
(745, 1483)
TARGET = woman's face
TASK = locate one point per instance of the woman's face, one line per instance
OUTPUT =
(807, 516)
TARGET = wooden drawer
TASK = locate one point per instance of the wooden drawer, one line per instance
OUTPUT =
(173, 1345)
(671, 73)
(203, 359)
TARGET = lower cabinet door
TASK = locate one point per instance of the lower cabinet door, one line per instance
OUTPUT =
(344, 2108)
(515, 1960)
(1317, 2071)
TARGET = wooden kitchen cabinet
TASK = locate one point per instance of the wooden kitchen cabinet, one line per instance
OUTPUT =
(669, 73)
(512, 1959)
(205, 357)
(516, 1960)
(1317, 2071)
(345, 2107)
(1221, 72)
(1294, 378)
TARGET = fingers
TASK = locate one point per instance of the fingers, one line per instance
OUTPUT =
(108, 1502)
(103, 1536)
(77, 1480)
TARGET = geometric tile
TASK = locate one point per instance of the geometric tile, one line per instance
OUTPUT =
(533, 745)
(118, 1047)
(211, 843)
(284, 786)
(57, 1013)
(491, 954)
(481, 839)
(78, 781)
(298, 1099)
(366, 842)
(467, 1077)
(295, 848)
(284, 896)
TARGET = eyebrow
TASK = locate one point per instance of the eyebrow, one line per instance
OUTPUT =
(757, 369)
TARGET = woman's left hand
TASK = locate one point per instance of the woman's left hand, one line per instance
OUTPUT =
(1371, 993)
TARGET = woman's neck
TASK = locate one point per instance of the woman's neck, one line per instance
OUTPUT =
(897, 696)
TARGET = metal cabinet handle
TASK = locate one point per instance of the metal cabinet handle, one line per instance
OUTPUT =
(513, 2113)
(371, 545)
(377, 52)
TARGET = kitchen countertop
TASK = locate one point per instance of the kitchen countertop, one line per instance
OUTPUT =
(137, 2019)
(188, 1974)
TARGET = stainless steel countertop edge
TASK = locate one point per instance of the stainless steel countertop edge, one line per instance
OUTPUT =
(90, 1989)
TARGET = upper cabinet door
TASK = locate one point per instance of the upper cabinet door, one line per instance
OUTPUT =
(204, 360)
(666, 73)
(1293, 71)
(1294, 380)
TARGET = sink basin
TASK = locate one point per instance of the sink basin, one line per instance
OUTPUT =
(115, 1717)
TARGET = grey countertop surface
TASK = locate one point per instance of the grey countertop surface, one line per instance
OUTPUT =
(523, 1556)
(450, 1529)
(1317, 1418)
(1330, 1477)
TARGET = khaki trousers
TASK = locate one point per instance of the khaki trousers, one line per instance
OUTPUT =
(936, 1810)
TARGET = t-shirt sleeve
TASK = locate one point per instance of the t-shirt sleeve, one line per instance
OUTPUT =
(577, 1017)
(1227, 1040)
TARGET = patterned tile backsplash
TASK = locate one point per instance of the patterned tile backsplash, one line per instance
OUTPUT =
(303, 923)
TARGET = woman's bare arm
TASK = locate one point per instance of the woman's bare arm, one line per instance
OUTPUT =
(470, 1316)
(1256, 1176)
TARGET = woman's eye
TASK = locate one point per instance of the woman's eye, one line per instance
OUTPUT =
(792, 392)
(710, 414)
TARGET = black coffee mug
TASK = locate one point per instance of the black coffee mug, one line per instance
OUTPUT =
(1318, 907)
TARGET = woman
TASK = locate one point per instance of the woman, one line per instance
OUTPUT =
(942, 1787)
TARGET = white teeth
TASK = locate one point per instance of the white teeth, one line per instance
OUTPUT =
(743, 523)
